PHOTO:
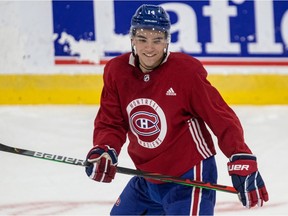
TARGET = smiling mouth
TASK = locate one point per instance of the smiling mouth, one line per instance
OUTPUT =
(148, 55)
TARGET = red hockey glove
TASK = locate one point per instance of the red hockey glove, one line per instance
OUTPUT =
(247, 180)
(103, 161)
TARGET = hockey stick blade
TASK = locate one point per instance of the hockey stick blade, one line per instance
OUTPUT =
(122, 170)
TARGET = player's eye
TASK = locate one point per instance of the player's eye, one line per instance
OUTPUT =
(142, 40)
(158, 41)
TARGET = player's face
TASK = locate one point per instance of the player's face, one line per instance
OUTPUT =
(150, 45)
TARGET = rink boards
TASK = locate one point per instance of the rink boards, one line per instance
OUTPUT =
(53, 52)
(257, 89)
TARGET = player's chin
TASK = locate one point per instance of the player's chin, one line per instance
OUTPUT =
(151, 62)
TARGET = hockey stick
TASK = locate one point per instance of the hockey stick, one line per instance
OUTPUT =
(122, 170)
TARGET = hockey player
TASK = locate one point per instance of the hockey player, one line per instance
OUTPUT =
(162, 101)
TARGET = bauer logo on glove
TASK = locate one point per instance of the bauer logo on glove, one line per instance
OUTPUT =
(247, 180)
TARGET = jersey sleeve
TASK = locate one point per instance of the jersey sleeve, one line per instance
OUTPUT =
(208, 104)
(109, 125)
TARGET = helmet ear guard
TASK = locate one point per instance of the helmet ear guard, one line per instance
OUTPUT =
(134, 50)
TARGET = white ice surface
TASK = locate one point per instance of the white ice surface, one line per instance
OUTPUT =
(31, 186)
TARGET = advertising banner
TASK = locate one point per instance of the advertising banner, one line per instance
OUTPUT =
(226, 32)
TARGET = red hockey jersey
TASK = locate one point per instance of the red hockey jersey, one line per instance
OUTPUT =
(165, 114)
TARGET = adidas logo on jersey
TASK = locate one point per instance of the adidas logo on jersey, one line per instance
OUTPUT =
(170, 92)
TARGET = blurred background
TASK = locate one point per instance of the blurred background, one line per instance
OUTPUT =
(52, 57)
(53, 52)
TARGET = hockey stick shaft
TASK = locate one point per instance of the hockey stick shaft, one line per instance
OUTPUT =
(177, 180)
(122, 170)
(41, 155)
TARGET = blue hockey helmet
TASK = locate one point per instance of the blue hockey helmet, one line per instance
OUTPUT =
(151, 17)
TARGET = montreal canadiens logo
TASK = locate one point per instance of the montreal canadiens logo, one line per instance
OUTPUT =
(147, 122)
